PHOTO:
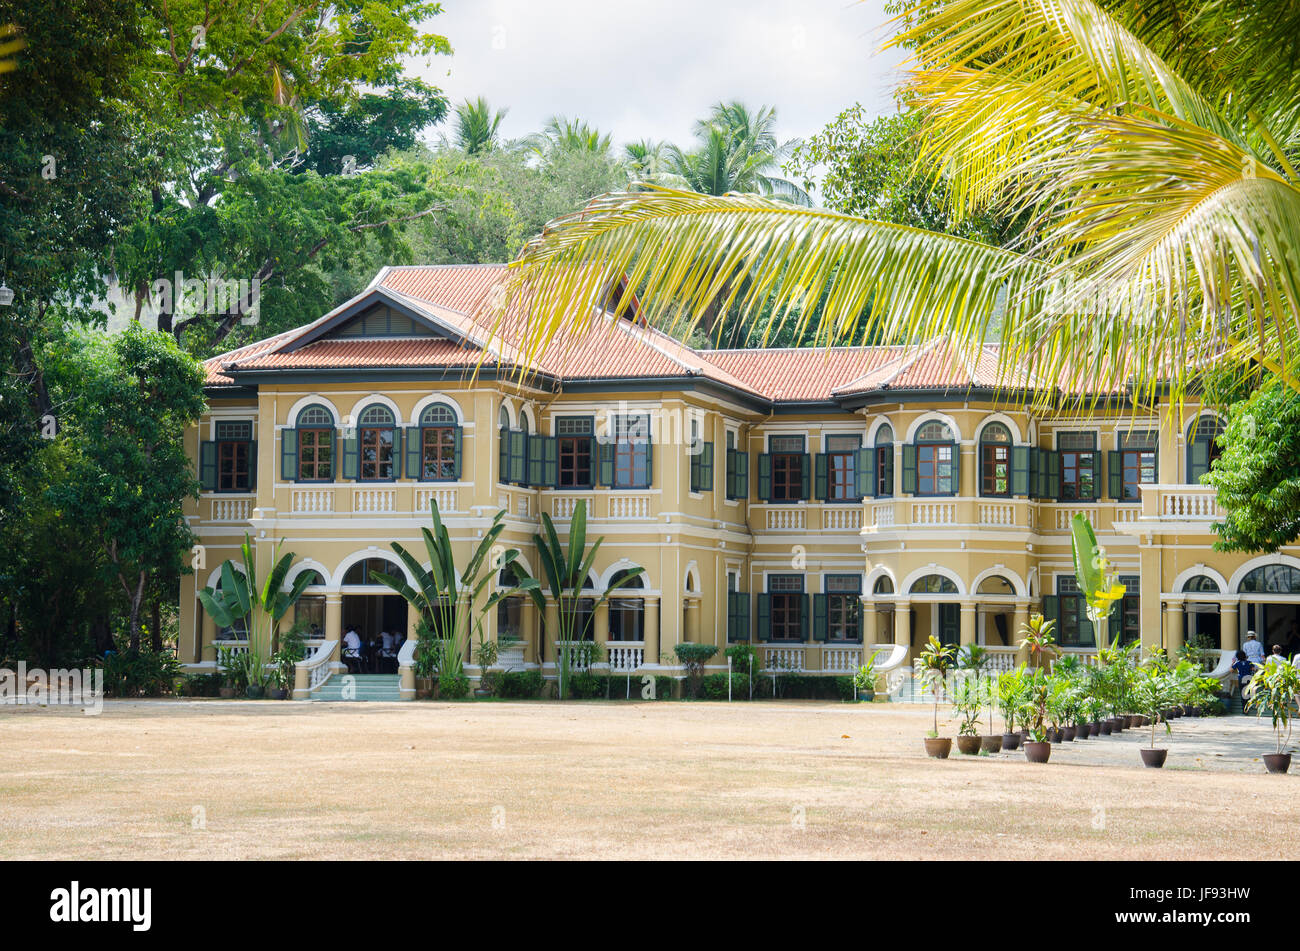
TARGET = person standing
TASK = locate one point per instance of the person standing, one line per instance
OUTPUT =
(1253, 648)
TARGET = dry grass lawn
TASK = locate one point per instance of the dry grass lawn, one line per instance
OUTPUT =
(214, 779)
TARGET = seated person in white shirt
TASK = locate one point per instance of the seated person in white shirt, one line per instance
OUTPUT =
(352, 648)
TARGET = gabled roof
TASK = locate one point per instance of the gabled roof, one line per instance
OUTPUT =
(460, 305)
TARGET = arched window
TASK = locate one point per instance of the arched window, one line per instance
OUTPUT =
(1271, 579)
(995, 460)
(374, 447)
(933, 584)
(1200, 584)
(883, 585)
(627, 614)
(439, 446)
(359, 573)
(930, 462)
(307, 450)
(995, 584)
(1202, 447)
(884, 447)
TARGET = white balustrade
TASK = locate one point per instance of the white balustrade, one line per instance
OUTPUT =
(844, 518)
(231, 510)
(934, 513)
(1065, 516)
(562, 506)
(882, 516)
(997, 513)
(445, 497)
(841, 659)
(1001, 659)
(783, 659)
(312, 501)
(374, 500)
(1125, 514)
(523, 506)
(626, 656)
(629, 507)
(786, 519)
(317, 664)
(1189, 504)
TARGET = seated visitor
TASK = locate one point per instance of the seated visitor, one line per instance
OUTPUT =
(352, 649)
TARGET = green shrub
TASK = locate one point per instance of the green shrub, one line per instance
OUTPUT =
(520, 685)
(714, 687)
(453, 687)
(584, 685)
(199, 685)
(615, 687)
(693, 657)
(804, 687)
(140, 673)
(491, 682)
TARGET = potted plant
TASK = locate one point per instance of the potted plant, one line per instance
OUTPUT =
(932, 667)
(990, 742)
(427, 660)
(485, 655)
(1038, 747)
(1274, 689)
(968, 704)
(1010, 691)
(1038, 637)
(225, 664)
(1153, 690)
(292, 649)
(864, 681)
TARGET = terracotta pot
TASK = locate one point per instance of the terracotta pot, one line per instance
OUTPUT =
(1094, 728)
(938, 747)
(991, 743)
(1106, 727)
(968, 745)
(1067, 734)
(1010, 741)
(1277, 762)
(225, 693)
(1153, 758)
(423, 687)
(1134, 722)
(1195, 712)
(1117, 724)
(1053, 735)
(1037, 752)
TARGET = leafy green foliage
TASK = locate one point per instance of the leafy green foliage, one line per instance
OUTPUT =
(1257, 476)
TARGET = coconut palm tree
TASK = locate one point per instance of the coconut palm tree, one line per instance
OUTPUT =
(1154, 154)
(737, 151)
(562, 134)
(647, 161)
(477, 126)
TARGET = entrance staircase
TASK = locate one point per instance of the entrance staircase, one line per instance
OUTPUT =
(342, 688)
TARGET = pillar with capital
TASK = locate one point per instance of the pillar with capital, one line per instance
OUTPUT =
(903, 624)
(1229, 631)
(651, 630)
(1174, 615)
(968, 615)
(868, 623)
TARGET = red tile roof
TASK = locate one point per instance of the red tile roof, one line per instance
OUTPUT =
(464, 299)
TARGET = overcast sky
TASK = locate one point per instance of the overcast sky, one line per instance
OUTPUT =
(649, 69)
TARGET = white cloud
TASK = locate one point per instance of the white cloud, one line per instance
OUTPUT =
(650, 69)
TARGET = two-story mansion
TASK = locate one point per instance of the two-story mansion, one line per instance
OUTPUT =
(809, 501)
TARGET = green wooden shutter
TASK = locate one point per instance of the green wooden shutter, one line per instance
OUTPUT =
(1198, 460)
(252, 465)
(864, 472)
(457, 447)
(648, 465)
(536, 460)
(820, 604)
(413, 456)
(742, 474)
(765, 477)
(351, 456)
(805, 476)
(605, 453)
(1052, 609)
(803, 616)
(823, 476)
(208, 465)
(1052, 467)
(956, 468)
(765, 617)
(1020, 470)
(503, 455)
(519, 457)
(706, 468)
(1115, 474)
(909, 468)
(857, 618)
(551, 462)
(289, 455)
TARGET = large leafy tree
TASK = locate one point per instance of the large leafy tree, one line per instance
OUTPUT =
(1257, 474)
(127, 401)
(1162, 195)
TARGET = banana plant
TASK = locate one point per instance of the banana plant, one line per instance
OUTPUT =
(1092, 569)
(261, 606)
(565, 570)
(445, 598)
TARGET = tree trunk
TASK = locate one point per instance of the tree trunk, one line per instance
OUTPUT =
(102, 632)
